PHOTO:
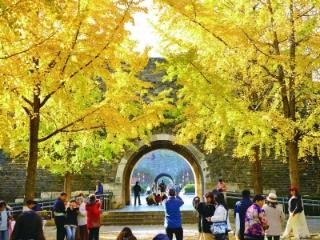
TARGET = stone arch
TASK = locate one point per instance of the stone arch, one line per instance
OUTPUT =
(191, 154)
(163, 175)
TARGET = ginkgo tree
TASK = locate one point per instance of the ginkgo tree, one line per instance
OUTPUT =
(68, 66)
(255, 62)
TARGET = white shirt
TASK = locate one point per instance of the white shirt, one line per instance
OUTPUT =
(220, 215)
(4, 220)
(82, 216)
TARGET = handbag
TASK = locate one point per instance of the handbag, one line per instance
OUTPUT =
(219, 228)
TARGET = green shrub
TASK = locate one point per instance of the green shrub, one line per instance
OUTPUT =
(189, 188)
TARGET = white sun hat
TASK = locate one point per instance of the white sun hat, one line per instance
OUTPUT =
(272, 197)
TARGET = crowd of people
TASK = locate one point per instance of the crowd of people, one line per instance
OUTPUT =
(79, 218)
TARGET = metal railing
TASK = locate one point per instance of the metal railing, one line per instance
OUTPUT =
(47, 205)
(311, 206)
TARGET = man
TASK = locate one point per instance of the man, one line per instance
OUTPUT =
(136, 192)
(172, 221)
(99, 188)
(240, 210)
(5, 216)
(162, 188)
(28, 224)
(59, 211)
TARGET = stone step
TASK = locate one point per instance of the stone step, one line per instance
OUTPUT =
(143, 218)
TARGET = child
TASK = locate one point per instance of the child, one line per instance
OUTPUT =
(71, 220)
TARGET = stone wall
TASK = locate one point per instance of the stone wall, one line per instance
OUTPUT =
(13, 174)
(237, 172)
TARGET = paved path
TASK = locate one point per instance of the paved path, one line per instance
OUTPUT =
(148, 232)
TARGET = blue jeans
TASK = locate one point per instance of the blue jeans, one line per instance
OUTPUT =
(71, 232)
(4, 235)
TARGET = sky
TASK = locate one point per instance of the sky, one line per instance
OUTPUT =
(143, 32)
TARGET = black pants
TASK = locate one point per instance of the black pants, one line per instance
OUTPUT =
(83, 232)
(274, 237)
(94, 233)
(253, 238)
(178, 232)
(135, 199)
(61, 231)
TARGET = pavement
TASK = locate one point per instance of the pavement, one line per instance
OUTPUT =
(190, 231)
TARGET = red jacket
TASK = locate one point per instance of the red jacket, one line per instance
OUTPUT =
(93, 214)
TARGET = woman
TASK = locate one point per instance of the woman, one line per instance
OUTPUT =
(93, 217)
(275, 217)
(126, 234)
(255, 221)
(71, 220)
(297, 223)
(205, 209)
(221, 215)
(5, 218)
(82, 218)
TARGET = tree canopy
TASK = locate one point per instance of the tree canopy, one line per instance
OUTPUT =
(247, 70)
(67, 67)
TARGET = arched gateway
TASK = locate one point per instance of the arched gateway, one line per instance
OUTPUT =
(163, 175)
(121, 187)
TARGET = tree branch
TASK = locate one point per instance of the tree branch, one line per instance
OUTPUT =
(62, 129)
(29, 48)
(84, 129)
(27, 111)
(62, 84)
(201, 25)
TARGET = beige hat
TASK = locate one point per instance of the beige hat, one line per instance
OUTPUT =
(272, 197)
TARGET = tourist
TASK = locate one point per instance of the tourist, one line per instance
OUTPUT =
(275, 217)
(126, 234)
(255, 221)
(161, 236)
(221, 215)
(28, 224)
(59, 211)
(240, 210)
(173, 223)
(205, 209)
(93, 208)
(30, 206)
(158, 199)
(136, 193)
(150, 199)
(5, 217)
(162, 188)
(71, 220)
(82, 217)
(177, 188)
(99, 188)
(297, 223)
(221, 187)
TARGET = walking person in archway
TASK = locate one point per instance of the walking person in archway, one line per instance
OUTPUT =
(297, 223)
(173, 223)
(205, 209)
(137, 192)
(162, 188)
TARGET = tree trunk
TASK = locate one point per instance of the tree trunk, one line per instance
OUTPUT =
(257, 172)
(68, 184)
(34, 122)
(293, 163)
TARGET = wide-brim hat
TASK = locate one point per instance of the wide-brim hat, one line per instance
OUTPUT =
(272, 197)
